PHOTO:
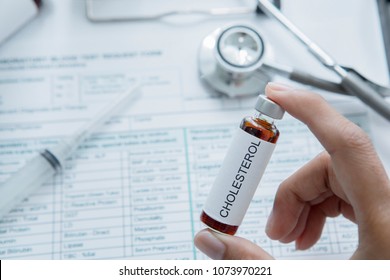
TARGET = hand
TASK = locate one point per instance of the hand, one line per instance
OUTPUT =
(348, 179)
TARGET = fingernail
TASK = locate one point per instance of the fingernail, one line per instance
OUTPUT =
(276, 87)
(209, 244)
(269, 225)
(297, 246)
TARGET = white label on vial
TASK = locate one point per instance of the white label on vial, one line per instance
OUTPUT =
(238, 178)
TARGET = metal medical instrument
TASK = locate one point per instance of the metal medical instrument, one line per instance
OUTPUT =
(50, 161)
(235, 61)
(350, 79)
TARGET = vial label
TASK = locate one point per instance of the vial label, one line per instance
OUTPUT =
(238, 178)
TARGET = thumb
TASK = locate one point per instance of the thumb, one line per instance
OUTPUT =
(226, 247)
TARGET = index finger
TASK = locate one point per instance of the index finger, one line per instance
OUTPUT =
(325, 122)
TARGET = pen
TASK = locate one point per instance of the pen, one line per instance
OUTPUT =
(50, 161)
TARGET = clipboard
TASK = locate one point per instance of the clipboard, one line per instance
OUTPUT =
(136, 10)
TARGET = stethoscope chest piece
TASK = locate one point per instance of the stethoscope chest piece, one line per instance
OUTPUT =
(230, 60)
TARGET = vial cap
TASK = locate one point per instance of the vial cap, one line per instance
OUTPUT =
(267, 107)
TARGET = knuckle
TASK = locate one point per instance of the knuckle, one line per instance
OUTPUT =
(324, 159)
(354, 137)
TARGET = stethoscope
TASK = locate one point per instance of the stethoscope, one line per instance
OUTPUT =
(234, 60)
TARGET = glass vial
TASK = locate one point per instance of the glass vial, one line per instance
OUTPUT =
(242, 168)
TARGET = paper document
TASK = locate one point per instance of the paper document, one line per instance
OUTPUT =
(136, 188)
